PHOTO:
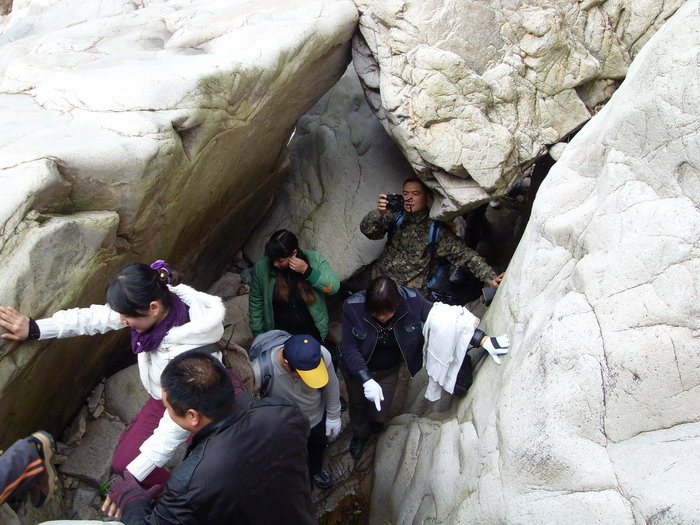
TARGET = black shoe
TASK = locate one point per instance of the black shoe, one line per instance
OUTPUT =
(322, 480)
(375, 427)
(343, 404)
(357, 446)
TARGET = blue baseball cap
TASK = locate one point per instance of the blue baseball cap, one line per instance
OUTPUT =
(303, 353)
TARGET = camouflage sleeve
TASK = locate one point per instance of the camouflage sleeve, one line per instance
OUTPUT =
(454, 250)
(374, 226)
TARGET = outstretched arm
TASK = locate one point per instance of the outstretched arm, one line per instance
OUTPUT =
(454, 250)
(15, 322)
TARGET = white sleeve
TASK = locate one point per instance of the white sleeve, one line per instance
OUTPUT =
(159, 448)
(97, 319)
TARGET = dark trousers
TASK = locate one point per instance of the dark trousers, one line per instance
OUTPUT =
(21, 469)
(363, 411)
(316, 446)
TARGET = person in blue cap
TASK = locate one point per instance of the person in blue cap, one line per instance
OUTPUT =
(301, 370)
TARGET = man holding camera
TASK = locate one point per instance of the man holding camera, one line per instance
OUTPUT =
(409, 257)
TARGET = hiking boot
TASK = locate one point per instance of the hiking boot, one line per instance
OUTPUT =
(322, 480)
(357, 446)
(45, 488)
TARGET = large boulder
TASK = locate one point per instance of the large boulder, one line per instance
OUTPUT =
(472, 91)
(136, 131)
(593, 416)
(341, 159)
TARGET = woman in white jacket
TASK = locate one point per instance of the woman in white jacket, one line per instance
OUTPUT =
(166, 318)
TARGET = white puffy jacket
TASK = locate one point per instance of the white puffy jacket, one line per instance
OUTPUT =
(205, 327)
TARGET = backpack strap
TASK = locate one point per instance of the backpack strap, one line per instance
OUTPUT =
(433, 238)
(434, 234)
(267, 375)
(398, 221)
(211, 348)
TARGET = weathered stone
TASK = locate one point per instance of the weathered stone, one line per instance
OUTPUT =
(88, 513)
(592, 417)
(473, 91)
(91, 461)
(124, 394)
(238, 317)
(341, 160)
(83, 496)
(153, 129)
(95, 397)
(8, 516)
(75, 431)
(227, 285)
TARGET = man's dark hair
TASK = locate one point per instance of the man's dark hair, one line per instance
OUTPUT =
(382, 296)
(426, 190)
(196, 379)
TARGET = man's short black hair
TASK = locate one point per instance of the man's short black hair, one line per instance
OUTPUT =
(197, 380)
(425, 187)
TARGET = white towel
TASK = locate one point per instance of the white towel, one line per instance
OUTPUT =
(447, 332)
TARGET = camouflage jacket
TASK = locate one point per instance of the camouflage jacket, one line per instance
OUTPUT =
(406, 257)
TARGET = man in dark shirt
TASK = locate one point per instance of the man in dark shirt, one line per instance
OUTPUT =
(246, 463)
(407, 259)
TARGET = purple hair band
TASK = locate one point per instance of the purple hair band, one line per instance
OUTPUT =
(161, 265)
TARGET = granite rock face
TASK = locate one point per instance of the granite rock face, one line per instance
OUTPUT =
(137, 131)
(473, 91)
(592, 417)
(341, 160)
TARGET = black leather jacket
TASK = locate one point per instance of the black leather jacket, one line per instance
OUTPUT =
(248, 468)
(360, 335)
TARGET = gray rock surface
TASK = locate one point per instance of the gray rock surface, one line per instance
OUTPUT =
(91, 461)
(341, 160)
(592, 417)
(125, 394)
(239, 319)
(473, 91)
(137, 131)
(8, 516)
(227, 286)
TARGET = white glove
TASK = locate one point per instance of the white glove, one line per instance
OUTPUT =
(496, 346)
(373, 392)
(332, 427)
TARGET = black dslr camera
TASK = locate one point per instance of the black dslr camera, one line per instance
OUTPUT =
(395, 202)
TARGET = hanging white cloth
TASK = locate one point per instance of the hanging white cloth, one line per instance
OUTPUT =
(447, 331)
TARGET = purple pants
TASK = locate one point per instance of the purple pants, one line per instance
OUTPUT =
(139, 430)
(21, 468)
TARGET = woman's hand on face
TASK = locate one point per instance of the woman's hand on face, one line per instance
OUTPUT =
(298, 265)
(16, 324)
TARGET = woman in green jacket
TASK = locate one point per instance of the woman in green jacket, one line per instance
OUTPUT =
(288, 288)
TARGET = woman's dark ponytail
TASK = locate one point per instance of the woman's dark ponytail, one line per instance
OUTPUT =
(136, 285)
